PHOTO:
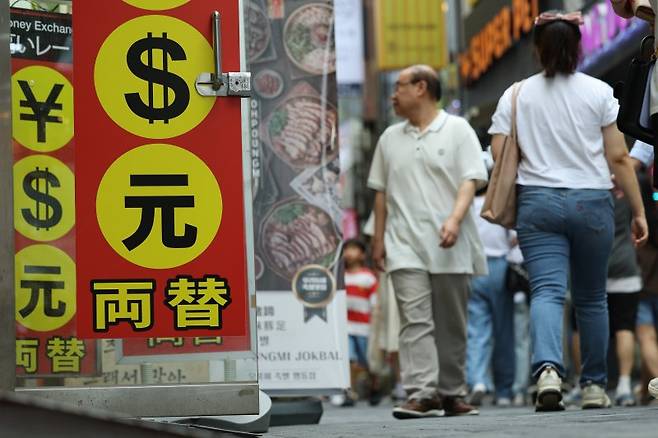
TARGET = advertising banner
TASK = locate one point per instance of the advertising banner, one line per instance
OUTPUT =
(294, 139)
(410, 32)
(47, 343)
(160, 197)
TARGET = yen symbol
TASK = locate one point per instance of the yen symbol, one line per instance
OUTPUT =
(41, 110)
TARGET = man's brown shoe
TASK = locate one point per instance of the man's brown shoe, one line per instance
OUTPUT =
(457, 406)
(419, 408)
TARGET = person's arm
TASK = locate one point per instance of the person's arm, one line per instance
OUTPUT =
(497, 143)
(622, 8)
(622, 166)
(378, 248)
(450, 228)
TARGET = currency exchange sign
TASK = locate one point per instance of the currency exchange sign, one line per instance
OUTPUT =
(159, 192)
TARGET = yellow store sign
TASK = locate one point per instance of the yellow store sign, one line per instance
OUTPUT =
(410, 32)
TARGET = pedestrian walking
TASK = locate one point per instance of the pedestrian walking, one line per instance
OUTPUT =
(623, 286)
(387, 324)
(647, 315)
(569, 141)
(425, 172)
(624, 8)
(491, 317)
(361, 289)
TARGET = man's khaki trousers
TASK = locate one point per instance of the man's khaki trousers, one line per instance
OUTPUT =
(432, 332)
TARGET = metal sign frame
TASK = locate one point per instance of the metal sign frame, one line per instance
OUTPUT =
(7, 321)
(239, 398)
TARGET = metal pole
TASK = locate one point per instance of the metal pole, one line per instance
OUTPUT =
(7, 320)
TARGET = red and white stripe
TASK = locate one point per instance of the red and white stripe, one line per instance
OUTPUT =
(361, 287)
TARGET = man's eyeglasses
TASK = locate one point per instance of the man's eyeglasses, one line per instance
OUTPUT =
(399, 84)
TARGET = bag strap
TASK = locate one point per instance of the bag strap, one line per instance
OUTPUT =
(516, 89)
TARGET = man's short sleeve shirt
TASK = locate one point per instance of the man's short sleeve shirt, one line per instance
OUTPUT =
(421, 173)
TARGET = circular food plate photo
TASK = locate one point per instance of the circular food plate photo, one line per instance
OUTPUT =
(308, 38)
(259, 267)
(294, 234)
(302, 131)
(258, 32)
(268, 84)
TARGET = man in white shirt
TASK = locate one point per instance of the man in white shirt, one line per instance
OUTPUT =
(425, 172)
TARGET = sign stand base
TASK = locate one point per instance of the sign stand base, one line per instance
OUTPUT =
(287, 412)
(235, 423)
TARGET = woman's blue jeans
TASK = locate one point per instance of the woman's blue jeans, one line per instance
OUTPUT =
(491, 330)
(562, 232)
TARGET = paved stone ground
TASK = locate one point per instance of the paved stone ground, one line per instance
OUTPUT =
(365, 421)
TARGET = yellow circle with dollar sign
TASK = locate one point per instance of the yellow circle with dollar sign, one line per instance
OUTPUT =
(156, 5)
(45, 288)
(42, 108)
(44, 198)
(159, 206)
(145, 76)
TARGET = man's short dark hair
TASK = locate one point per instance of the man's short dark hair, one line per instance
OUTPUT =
(430, 77)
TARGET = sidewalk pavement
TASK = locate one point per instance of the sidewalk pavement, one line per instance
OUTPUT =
(365, 421)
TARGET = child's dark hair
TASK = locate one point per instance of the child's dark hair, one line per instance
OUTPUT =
(358, 243)
(558, 47)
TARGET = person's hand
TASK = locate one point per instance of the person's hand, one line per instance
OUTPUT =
(622, 8)
(617, 192)
(449, 232)
(379, 254)
(639, 230)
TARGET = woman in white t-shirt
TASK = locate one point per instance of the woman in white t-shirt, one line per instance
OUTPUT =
(565, 221)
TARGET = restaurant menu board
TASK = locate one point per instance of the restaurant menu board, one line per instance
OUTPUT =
(294, 145)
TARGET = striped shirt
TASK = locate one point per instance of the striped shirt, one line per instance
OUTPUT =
(361, 286)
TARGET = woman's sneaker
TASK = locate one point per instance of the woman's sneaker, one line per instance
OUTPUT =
(549, 391)
(419, 408)
(653, 388)
(594, 397)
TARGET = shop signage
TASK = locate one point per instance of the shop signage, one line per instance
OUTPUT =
(601, 26)
(160, 197)
(47, 343)
(410, 32)
(497, 37)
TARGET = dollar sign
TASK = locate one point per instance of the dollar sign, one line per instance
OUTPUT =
(52, 208)
(169, 81)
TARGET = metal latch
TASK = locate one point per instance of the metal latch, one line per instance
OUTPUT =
(232, 84)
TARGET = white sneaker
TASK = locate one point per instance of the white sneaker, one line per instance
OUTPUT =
(337, 399)
(503, 402)
(519, 400)
(549, 391)
(594, 397)
(478, 393)
(398, 393)
(653, 388)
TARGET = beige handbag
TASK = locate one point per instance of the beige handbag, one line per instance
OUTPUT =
(500, 201)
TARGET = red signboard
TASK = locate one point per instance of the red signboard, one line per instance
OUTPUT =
(47, 343)
(159, 182)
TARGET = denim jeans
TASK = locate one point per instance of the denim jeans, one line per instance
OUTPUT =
(521, 346)
(564, 231)
(491, 330)
(647, 311)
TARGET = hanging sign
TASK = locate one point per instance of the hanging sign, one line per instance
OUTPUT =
(159, 193)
